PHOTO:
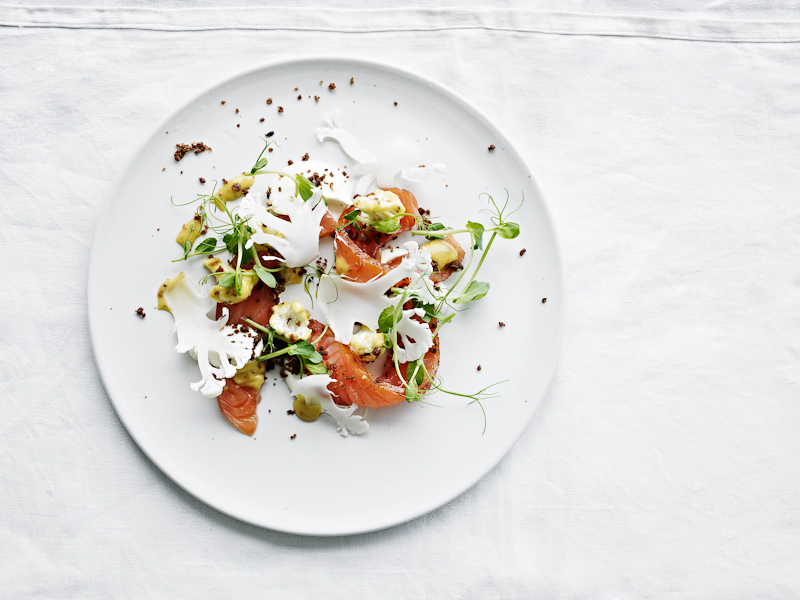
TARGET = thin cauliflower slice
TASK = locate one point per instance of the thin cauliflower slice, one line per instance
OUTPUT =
(296, 239)
(346, 302)
(420, 283)
(417, 337)
(314, 389)
(290, 319)
(368, 345)
(219, 349)
(401, 158)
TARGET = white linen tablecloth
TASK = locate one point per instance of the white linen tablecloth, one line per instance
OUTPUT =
(664, 461)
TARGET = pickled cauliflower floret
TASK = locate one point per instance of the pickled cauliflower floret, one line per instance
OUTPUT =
(290, 319)
(367, 344)
(381, 205)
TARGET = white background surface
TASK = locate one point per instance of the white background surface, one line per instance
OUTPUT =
(663, 462)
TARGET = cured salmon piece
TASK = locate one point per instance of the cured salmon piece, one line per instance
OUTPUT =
(354, 384)
(327, 226)
(257, 307)
(238, 403)
(357, 251)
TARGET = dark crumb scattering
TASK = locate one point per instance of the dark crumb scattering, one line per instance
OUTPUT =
(522, 252)
(140, 312)
(261, 120)
(270, 134)
(544, 300)
(184, 149)
(270, 150)
(316, 98)
(280, 109)
(305, 156)
(491, 147)
(299, 96)
(223, 102)
(202, 179)
(331, 86)
(269, 100)
(395, 103)
(290, 412)
(351, 81)
(501, 324)
(479, 367)
(181, 172)
(237, 111)
(238, 125)
(164, 169)
(289, 162)
(295, 89)
(294, 435)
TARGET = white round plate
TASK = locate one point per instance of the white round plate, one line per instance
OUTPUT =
(414, 458)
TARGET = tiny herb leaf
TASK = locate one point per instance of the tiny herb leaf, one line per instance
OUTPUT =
(227, 280)
(207, 245)
(265, 276)
(475, 291)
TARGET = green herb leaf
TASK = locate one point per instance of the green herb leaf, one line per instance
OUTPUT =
(434, 227)
(476, 230)
(304, 187)
(207, 245)
(415, 374)
(388, 226)
(508, 231)
(259, 165)
(316, 369)
(306, 351)
(351, 216)
(227, 280)
(431, 313)
(265, 276)
(475, 291)
(231, 242)
(386, 320)
(412, 394)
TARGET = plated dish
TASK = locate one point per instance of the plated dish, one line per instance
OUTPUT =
(286, 128)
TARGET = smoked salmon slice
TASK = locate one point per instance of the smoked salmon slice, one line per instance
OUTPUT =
(354, 384)
(238, 403)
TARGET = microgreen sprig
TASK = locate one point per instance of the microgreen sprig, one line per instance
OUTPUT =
(305, 351)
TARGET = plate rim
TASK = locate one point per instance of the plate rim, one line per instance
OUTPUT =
(440, 88)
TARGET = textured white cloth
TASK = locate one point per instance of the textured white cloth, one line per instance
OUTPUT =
(663, 463)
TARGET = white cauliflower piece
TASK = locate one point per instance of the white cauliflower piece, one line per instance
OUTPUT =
(367, 344)
(314, 388)
(420, 283)
(218, 348)
(290, 319)
(345, 302)
(401, 158)
(381, 205)
(409, 329)
(297, 239)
